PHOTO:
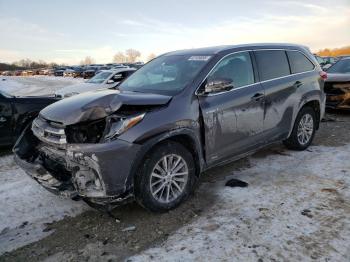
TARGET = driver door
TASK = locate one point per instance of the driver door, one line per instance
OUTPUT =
(233, 119)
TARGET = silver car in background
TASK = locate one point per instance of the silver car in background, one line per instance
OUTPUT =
(104, 80)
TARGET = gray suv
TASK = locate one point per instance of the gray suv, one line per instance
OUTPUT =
(180, 114)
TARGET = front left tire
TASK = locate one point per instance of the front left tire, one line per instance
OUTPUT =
(166, 178)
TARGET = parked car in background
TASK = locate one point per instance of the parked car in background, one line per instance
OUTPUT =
(319, 59)
(28, 73)
(330, 59)
(137, 65)
(68, 72)
(104, 79)
(6, 73)
(337, 86)
(51, 72)
(119, 67)
(16, 113)
(325, 61)
(59, 71)
(342, 56)
(78, 72)
(18, 73)
(178, 115)
(89, 72)
(74, 71)
(102, 68)
(44, 71)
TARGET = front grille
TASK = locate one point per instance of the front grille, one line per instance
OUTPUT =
(49, 132)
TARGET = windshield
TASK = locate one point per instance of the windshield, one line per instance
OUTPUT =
(165, 75)
(342, 67)
(99, 78)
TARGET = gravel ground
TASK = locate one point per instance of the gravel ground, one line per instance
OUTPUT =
(297, 212)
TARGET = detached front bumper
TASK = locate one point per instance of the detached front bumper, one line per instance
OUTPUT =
(101, 173)
(44, 178)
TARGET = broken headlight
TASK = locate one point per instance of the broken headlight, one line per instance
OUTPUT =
(119, 124)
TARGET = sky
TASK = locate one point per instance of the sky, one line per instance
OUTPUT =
(67, 31)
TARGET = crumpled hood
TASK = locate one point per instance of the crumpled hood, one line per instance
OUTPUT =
(332, 77)
(78, 88)
(95, 105)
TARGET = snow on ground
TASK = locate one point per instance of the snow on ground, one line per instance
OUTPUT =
(35, 85)
(296, 208)
(26, 207)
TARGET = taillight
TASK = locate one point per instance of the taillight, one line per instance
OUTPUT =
(323, 75)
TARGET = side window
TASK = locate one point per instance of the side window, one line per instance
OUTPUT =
(272, 64)
(120, 76)
(236, 67)
(299, 63)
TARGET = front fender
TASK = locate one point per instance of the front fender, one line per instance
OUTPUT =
(169, 135)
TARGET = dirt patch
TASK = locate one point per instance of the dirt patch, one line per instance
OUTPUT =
(129, 230)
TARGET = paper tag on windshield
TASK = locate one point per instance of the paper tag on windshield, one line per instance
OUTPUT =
(199, 58)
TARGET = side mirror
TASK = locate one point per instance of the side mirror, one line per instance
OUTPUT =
(110, 81)
(218, 85)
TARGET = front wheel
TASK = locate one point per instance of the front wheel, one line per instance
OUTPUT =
(166, 177)
(303, 131)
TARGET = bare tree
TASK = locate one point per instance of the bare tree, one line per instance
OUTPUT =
(151, 56)
(87, 61)
(132, 55)
(119, 58)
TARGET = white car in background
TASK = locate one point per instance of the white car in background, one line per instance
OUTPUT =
(103, 80)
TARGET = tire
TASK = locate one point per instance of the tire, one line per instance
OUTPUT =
(152, 172)
(303, 141)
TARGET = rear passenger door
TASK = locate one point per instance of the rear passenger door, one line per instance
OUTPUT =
(280, 98)
(233, 120)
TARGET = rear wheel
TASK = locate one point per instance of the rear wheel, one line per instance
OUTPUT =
(166, 177)
(303, 131)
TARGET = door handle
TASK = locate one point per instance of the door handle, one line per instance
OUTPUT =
(257, 96)
(2, 119)
(298, 84)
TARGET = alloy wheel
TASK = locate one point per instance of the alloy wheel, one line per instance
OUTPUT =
(305, 129)
(169, 178)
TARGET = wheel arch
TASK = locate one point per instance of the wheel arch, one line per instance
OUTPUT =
(315, 105)
(185, 137)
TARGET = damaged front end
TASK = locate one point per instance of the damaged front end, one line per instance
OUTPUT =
(82, 157)
(338, 95)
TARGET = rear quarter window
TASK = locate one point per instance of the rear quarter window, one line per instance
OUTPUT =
(272, 64)
(299, 62)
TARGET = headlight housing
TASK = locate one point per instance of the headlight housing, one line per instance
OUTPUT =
(119, 124)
